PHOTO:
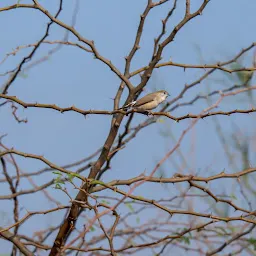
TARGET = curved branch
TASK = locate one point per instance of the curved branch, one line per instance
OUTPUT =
(14, 239)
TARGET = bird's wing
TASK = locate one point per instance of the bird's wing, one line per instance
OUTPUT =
(143, 100)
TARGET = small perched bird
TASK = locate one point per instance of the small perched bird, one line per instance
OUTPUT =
(148, 102)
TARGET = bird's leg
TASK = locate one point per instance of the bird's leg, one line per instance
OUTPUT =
(149, 113)
(143, 111)
(146, 112)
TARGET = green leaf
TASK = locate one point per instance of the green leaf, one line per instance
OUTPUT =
(23, 75)
(92, 228)
(57, 173)
(233, 229)
(58, 181)
(97, 182)
(138, 220)
(76, 175)
(58, 186)
(70, 176)
(105, 201)
(243, 76)
(184, 239)
(222, 229)
(159, 120)
(129, 206)
(253, 242)
(233, 197)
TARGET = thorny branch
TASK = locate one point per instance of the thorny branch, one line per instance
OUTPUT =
(104, 112)
(163, 230)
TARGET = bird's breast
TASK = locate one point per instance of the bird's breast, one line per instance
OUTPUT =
(160, 98)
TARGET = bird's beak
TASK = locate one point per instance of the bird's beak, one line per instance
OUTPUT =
(168, 93)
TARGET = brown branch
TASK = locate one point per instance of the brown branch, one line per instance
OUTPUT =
(186, 88)
(31, 54)
(64, 41)
(176, 179)
(147, 74)
(163, 32)
(91, 44)
(13, 189)
(217, 66)
(207, 96)
(27, 191)
(105, 112)
(156, 204)
(193, 184)
(187, 13)
(228, 113)
(138, 37)
(60, 42)
(164, 158)
(14, 240)
(13, 162)
(108, 236)
(30, 214)
(75, 209)
(234, 238)
(194, 66)
(15, 115)
(41, 158)
(47, 169)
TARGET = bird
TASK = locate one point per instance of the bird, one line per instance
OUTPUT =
(148, 102)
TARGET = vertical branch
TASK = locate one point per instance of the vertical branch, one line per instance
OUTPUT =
(148, 72)
(15, 201)
(187, 13)
(164, 22)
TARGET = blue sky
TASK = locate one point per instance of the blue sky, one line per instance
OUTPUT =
(74, 77)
